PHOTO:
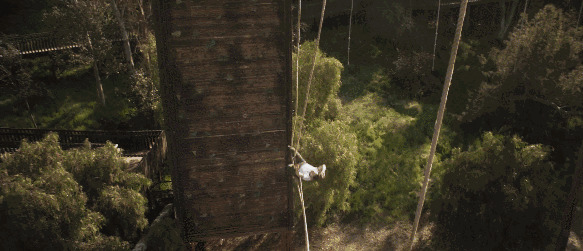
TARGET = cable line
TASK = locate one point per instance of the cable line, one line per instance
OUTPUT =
(441, 111)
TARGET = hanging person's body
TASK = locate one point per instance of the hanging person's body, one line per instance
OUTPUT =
(306, 171)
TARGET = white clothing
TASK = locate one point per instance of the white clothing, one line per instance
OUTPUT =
(306, 169)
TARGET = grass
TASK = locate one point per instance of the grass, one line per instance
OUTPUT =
(72, 103)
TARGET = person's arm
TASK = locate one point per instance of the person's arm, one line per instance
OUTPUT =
(296, 153)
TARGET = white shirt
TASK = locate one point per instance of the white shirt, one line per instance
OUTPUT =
(305, 170)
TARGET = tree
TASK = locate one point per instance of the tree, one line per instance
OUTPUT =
(97, 25)
(334, 145)
(323, 101)
(15, 79)
(534, 84)
(103, 174)
(87, 23)
(69, 200)
(540, 63)
(571, 203)
(506, 17)
(124, 34)
(41, 204)
(500, 194)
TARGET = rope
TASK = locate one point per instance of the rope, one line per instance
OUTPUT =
(297, 144)
(299, 184)
(436, 29)
(301, 192)
(441, 111)
(311, 74)
(297, 69)
(350, 29)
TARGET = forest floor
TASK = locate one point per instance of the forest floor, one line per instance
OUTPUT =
(337, 236)
(348, 236)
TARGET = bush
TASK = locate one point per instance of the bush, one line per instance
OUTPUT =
(394, 149)
(412, 74)
(335, 145)
(71, 199)
(501, 194)
(325, 83)
(102, 174)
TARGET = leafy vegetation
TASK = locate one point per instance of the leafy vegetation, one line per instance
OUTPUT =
(500, 194)
(76, 199)
(504, 161)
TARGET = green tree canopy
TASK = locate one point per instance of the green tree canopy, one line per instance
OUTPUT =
(69, 200)
(541, 62)
(501, 194)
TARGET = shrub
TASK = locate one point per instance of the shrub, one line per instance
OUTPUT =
(325, 83)
(394, 148)
(333, 144)
(412, 74)
(103, 174)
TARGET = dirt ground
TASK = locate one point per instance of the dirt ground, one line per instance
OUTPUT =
(346, 237)
(333, 237)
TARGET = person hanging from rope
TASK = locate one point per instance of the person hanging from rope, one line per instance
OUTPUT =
(306, 171)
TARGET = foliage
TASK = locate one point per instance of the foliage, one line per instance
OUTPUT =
(541, 63)
(75, 199)
(412, 74)
(467, 77)
(501, 194)
(111, 190)
(83, 21)
(92, 25)
(325, 83)
(392, 20)
(334, 145)
(15, 79)
(394, 147)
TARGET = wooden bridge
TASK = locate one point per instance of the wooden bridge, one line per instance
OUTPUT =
(45, 42)
(39, 42)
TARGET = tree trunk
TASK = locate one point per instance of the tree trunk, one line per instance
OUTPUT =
(30, 113)
(98, 85)
(579, 17)
(439, 120)
(145, 37)
(124, 34)
(350, 30)
(569, 209)
(506, 19)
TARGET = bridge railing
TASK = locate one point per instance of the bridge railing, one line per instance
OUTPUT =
(134, 143)
(46, 41)
(150, 145)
